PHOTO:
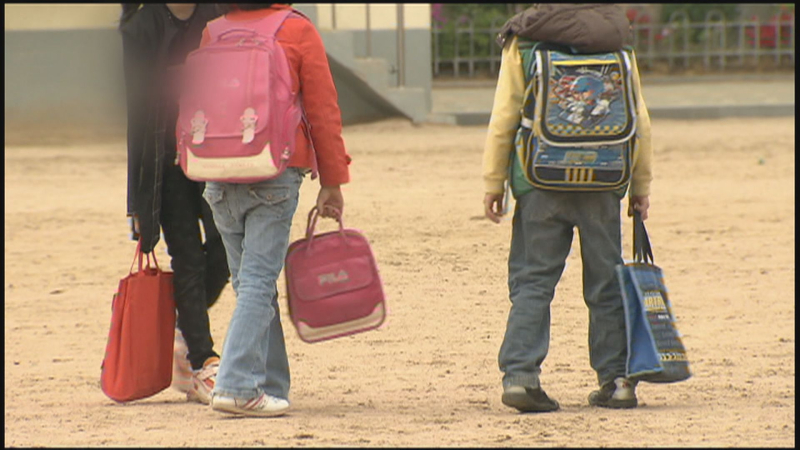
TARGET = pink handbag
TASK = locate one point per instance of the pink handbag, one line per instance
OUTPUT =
(333, 284)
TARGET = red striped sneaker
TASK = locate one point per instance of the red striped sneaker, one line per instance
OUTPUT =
(181, 369)
(262, 406)
(203, 381)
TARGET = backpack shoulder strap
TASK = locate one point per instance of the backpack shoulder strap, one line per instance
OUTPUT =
(270, 25)
(217, 26)
(525, 44)
(526, 51)
(298, 13)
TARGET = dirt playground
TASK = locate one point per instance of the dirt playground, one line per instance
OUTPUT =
(722, 225)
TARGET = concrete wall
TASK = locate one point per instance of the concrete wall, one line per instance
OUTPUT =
(383, 16)
(63, 64)
(63, 61)
(61, 16)
(383, 34)
(63, 75)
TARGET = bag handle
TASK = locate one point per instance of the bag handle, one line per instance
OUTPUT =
(313, 216)
(243, 31)
(139, 254)
(642, 251)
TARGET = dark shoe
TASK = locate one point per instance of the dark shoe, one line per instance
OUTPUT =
(620, 393)
(528, 399)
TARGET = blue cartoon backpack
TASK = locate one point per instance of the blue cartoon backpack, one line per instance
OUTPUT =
(578, 124)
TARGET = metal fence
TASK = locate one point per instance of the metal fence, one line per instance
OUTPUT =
(714, 45)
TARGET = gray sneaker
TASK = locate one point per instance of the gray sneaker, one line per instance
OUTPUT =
(620, 393)
(527, 399)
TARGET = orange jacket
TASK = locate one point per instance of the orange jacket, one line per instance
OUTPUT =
(312, 75)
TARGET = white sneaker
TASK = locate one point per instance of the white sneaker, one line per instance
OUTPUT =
(262, 406)
(203, 381)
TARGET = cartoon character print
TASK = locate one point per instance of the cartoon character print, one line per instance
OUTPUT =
(585, 96)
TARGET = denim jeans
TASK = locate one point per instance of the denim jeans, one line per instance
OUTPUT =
(254, 221)
(200, 269)
(541, 239)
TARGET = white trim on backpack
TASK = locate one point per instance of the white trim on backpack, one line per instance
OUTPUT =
(258, 165)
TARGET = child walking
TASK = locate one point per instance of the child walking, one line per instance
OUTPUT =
(155, 39)
(559, 183)
(254, 220)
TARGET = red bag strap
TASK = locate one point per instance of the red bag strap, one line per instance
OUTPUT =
(139, 255)
(313, 215)
(155, 261)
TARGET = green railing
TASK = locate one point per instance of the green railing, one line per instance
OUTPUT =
(715, 44)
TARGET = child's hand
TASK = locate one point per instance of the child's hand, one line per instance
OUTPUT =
(640, 203)
(493, 207)
(134, 221)
(330, 200)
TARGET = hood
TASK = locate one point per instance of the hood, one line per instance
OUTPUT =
(587, 27)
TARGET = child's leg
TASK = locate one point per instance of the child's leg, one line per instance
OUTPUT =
(179, 219)
(276, 377)
(217, 272)
(601, 252)
(229, 225)
(265, 210)
(540, 243)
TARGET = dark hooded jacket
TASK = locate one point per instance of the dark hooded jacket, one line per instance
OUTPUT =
(586, 27)
(153, 40)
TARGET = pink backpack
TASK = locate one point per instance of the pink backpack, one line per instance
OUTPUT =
(238, 114)
(332, 282)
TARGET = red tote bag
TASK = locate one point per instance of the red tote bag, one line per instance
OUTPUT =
(138, 359)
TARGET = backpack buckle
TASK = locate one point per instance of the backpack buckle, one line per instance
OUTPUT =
(248, 119)
(199, 123)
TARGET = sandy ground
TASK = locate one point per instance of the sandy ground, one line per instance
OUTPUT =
(722, 227)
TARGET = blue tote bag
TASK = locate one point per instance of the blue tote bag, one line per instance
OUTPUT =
(656, 353)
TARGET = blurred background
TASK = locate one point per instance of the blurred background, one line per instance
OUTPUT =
(425, 62)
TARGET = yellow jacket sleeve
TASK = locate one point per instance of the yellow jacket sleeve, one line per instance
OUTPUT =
(506, 113)
(642, 173)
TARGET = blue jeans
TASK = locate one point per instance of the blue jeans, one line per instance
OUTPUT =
(254, 221)
(541, 239)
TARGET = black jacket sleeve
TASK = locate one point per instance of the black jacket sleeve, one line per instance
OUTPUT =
(136, 82)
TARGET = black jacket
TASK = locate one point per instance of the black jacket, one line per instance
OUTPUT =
(152, 40)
